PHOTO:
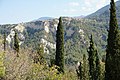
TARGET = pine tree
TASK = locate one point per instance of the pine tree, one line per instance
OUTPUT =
(112, 65)
(59, 57)
(16, 43)
(92, 58)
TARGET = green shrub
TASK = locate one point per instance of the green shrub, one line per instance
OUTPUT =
(2, 67)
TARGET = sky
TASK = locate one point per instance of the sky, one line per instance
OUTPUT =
(17, 11)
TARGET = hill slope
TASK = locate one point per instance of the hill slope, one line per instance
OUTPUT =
(103, 13)
(77, 32)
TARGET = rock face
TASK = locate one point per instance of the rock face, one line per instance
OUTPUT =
(76, 32)
(46, 28)
(20, 28)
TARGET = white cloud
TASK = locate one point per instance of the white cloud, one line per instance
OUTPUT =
(101, 3)
(87, 2)
(74, 4)
(70, 10)
(85, 7)
(90, 6)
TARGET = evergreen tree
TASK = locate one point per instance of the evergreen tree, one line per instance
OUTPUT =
(16, 43)
(59, 57)
(85, 68)
(4, 42)
(82, 70)
(40, 54)
(112, 65)
(98, 68)
(92, 59)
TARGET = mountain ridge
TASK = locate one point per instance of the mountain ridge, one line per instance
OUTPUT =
(103, 13)
(77, 32)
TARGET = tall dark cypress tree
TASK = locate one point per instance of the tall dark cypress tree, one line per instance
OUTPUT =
(112, 65)
(98, 68)
(4, 42)
(59, 57)
(16, 43)
(92, 58)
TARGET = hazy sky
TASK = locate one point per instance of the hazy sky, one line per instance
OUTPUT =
(17, 11)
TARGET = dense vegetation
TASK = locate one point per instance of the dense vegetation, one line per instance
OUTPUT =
(76, 32)
(46, 50)
(113, 47)
(103, 13)
(59, 57)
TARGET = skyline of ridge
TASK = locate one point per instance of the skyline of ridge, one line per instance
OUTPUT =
(14, 11)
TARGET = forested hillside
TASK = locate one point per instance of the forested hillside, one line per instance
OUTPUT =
(29, 51)
(77, 33)
(103, 14)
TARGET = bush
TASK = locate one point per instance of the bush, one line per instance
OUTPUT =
(2, 67)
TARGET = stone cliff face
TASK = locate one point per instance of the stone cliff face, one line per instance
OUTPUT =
(76, 34)
(49, 28)
(20, 28)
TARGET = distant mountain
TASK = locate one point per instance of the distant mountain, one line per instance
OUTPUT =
(43, 18)
(79, 17)
(103, 13)
(76, 31)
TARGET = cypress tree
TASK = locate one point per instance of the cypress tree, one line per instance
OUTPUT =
(98, 68)
(59, 57)
(92, 58)
(16, 43)
(4, 42)
(40, 53)
(82, 70)
(112, 65)
(85, 69)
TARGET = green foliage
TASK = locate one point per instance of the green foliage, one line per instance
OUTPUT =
(59, 57)
(16, 42)
(83, 69)
(4, 41)
(79, 71)
(112, 66)
(99, 75)
(92, 59)
(34, 32)
(23, 68)
(103, 13)
(42, 72)
(2, 67)
(39, 55)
